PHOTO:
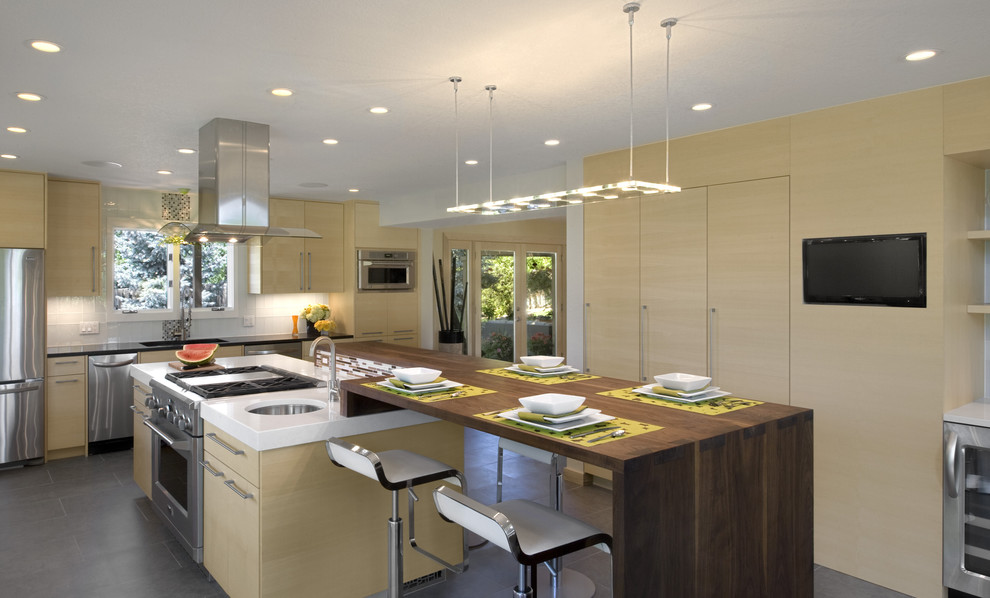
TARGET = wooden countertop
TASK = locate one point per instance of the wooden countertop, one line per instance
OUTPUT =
(679, 427)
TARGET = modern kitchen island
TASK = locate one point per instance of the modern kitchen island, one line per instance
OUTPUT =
(708, 505)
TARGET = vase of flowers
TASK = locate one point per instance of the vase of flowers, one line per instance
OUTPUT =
(318, 320)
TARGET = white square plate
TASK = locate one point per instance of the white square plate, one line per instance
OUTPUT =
(556, 372)
(447, 385)
(694, 398)
(561, 427)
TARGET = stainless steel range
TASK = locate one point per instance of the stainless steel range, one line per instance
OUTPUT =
(177, 447)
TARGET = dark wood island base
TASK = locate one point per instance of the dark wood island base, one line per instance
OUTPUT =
(709, 506)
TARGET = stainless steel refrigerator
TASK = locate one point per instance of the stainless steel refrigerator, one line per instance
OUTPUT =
(22, 355)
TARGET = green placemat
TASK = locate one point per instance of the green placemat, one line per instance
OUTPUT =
(432, 397)
(710, 407)
(569, 377)
(631, 427)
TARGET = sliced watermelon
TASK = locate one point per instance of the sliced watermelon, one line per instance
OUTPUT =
(201, 354)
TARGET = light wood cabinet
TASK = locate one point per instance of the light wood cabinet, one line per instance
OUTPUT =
(388, 316)
(22, 203)
(674, 283)
(304, 525)
(73, 253)
(370, 235)
(65, 408)
(290, 265)
(695, 282)
(611, 289)
(142, 439)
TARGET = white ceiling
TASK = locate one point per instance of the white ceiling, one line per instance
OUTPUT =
(136, 80)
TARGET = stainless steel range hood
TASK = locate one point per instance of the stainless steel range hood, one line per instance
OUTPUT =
(233, 185)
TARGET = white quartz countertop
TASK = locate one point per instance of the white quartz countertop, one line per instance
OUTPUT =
(976, 413)
(266, 432)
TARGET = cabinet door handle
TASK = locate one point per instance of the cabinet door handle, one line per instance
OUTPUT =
(138, 411)
(212, 436)
(711, 343)
(92, 257)
(642, 343)
(371, 333)
(66, 362)
(302, 275)
(210, 470)
(584, 341)
(309, 268)
(67, 381)
(402, 331)
(230, 484)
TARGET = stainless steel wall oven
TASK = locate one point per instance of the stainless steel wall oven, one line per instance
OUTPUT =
(386, 270)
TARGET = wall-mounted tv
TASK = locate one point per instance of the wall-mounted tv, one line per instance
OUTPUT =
(866, 270)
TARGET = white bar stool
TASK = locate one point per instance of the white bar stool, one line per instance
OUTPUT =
(563, 583)
(530, 532)
(395, 470)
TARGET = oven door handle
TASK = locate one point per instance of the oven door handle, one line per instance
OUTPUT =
(950, 462)
(168, 439)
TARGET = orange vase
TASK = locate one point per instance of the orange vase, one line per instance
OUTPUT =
(295, 324)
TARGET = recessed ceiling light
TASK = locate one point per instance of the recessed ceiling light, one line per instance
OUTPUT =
(329, 141)
(186, 150)
(8, 156)
(470, 162)
(164, 172)
(701, 107)
(552, 142)
(353, 190)
(378, 110)
(102, 163)
(282, 92)
(17, 129)
(313, 185)
(919, 55)
(43, 46)
(29, 97)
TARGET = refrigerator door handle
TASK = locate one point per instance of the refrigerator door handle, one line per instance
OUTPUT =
(19, 390)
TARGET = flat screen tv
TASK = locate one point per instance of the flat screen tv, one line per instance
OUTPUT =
(866, 270)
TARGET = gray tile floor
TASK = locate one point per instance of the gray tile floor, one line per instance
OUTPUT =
(80, 527)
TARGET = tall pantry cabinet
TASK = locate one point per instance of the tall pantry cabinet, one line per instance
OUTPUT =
(693, 282)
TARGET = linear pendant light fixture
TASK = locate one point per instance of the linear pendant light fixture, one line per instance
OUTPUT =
(627, 189)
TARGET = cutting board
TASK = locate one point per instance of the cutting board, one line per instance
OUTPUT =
(194, 368)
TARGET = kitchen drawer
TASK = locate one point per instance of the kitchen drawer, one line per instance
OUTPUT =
(232, 453)
(62, 366)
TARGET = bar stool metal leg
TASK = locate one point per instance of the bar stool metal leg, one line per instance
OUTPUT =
(395, 550)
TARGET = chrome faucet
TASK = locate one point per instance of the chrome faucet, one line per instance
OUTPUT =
(333, 386)
(185, 312)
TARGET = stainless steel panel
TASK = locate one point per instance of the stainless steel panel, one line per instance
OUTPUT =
(22, 421)
(22, 319)
(110, 396)
(966, 508)
(287, 349)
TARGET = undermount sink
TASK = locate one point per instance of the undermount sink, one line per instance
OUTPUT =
(179, 343)
(285, 407)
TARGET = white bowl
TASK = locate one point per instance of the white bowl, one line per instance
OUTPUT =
(416, 375)
(542, 361)
(551, 403)
(687, 382)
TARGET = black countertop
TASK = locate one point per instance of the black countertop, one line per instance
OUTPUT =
(137, 347)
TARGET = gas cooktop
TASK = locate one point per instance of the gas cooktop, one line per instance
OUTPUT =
(230, 382)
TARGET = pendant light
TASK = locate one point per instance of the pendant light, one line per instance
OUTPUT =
(625, 189)
(457, 144)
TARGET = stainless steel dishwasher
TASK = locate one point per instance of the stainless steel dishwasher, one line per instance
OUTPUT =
(111, 423)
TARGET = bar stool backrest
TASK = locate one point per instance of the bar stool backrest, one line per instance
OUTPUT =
(355, 458)
(476, 517)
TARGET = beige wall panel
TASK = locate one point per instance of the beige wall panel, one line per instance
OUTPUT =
(674, 281)
(552, 229)
(611, 289)
(964, 273)
(756, 151)
(967, 121)
(872, 167)
(22, 202)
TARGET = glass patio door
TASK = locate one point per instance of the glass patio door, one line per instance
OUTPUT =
(540, 323)
(499, 309)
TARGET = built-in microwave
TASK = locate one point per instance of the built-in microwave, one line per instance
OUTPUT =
(379, 270)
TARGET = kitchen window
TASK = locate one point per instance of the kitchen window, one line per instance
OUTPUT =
(145, 267)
